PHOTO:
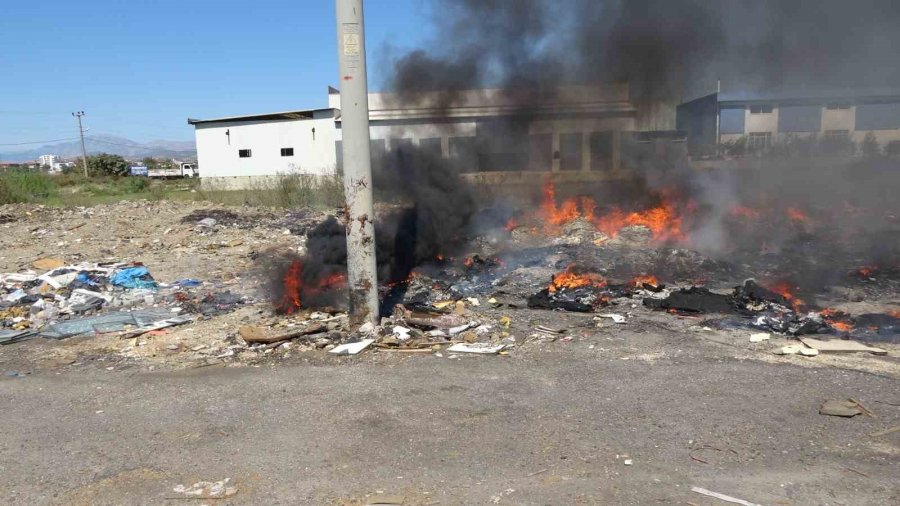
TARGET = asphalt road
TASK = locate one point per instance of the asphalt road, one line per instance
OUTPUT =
(547, 426)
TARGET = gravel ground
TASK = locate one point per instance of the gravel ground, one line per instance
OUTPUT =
(550, 425)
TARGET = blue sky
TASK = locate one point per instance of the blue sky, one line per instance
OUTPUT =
(140, 68)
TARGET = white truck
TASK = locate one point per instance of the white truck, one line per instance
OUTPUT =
(181, 170)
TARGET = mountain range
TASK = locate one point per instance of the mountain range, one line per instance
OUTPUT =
(107, 144)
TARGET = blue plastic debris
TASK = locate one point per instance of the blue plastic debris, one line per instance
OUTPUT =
(83, 277)
(188, 283)
(133, 277)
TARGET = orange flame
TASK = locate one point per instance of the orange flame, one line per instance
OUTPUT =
(894, 312)
(469, 262)
(557, 215)
(642, 280)
(570, 279)
(663, 220)
(290, 299)
(511, 224)
(797, 216)
(866, 270)
(294, 289)
(785, 289)
(830, 312)
(842, 326)
(837, 319)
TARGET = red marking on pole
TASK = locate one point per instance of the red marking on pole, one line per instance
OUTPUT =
(347, 78)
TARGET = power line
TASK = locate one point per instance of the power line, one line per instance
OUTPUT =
(38, 142)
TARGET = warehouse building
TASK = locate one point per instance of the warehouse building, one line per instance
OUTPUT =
(762, 119)
(576, 131)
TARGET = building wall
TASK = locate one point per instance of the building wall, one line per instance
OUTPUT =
(765, 122)
(839, 119)
(485, 139)
(217, 153)
(697, 119)
(885, 115)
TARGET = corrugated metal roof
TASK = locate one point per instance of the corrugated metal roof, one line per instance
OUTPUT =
(273, 116)
(800, 96)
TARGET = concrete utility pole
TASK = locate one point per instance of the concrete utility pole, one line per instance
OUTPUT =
(361, 266)
(78, 115)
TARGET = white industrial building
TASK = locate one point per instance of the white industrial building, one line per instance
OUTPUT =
(575, 130)
(237, 152)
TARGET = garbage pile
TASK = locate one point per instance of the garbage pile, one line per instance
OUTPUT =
(443, 326)
(782, 313)
(100, 298)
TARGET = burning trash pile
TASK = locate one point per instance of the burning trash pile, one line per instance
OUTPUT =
(100, 298)
(777, 310)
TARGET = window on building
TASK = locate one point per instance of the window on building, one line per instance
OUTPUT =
(759, 140)
(761, 109)
(431, 147)
(244, 153)
(401, 144)
(570, 151)
(602, 150)
(837, 106)
(463, 154)
(287, 151)
(540, 152)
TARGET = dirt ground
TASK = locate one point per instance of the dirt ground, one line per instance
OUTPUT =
(106, 420)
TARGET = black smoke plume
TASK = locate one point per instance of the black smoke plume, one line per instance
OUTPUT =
(667, 51)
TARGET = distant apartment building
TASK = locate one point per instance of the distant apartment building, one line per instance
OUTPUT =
(763, 119)
(47, 160)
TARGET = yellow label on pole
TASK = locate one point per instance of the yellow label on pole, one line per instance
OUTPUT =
(351, 44)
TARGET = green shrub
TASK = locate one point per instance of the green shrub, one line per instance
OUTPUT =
(134, 184)
(22, 185)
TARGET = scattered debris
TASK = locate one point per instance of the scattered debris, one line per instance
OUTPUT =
(759, 337)
(838, 346)
(846, 408)
(351, 348)
(133, 277)
(722, 497)
(796, 349)
(207, 490)
(101, 298)
(479, 348)
(616, 318)
(252, 334)
(14, 336)
(132, 323)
